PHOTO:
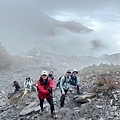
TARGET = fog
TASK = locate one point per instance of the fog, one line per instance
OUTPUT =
(28, 24)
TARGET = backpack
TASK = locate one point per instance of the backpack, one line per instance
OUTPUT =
(27, 83)
(58, 83)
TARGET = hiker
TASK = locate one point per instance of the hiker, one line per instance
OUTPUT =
(51, 74)
(64, 86)
(44, 87)
(17, 86)
(28, 86)
(74, 80)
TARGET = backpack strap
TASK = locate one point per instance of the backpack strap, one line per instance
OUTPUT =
(25, 82)
(64, 79)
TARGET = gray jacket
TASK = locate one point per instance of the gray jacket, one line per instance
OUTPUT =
(64, 85)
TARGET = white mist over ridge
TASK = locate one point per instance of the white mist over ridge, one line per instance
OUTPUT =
(61, 30)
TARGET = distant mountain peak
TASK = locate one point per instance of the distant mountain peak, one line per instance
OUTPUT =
(74, 27)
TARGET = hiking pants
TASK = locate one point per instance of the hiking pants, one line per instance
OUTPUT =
(78, 89)
(25, 92)
(50, 101)
(62, 99)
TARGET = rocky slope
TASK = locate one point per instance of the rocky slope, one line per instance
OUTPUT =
(98, 101)
(99, 84)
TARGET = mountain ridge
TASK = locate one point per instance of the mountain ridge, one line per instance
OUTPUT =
(53, 61)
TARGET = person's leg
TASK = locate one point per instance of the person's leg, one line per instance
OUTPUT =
(29, 94)
(78, 89)
(50, 101)
(30, 88)
(25, 92)
(41, 103)
(62, 99)
(41, 106)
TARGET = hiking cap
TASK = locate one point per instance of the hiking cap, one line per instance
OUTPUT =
(75, 71)
(68, 71)
(44, 72)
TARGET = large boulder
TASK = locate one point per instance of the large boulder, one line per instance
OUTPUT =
(84, 98)
(28, 109)
(32, 107)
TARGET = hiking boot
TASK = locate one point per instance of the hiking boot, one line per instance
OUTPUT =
(54, 115)
(41, 112)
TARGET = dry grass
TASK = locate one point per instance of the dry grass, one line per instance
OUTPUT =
(106, 83)
(100, 82)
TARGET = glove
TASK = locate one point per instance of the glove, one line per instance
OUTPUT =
(49, 89)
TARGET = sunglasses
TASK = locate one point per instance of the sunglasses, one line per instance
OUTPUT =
(69, 72)
(44, 75)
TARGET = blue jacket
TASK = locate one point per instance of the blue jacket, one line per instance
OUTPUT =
(64, 83)
(73, 80)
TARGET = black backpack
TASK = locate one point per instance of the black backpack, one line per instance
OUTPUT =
(58, 83)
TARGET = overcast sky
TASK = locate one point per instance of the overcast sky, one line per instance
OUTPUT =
(100, 15)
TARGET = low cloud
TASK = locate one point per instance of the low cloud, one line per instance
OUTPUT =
(97, 44)
(23, 26)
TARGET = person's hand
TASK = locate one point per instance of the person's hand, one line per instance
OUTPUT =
(63, 93)
(49, 89)
(70, 90)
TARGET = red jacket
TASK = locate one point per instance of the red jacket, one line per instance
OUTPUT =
(42, 88)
